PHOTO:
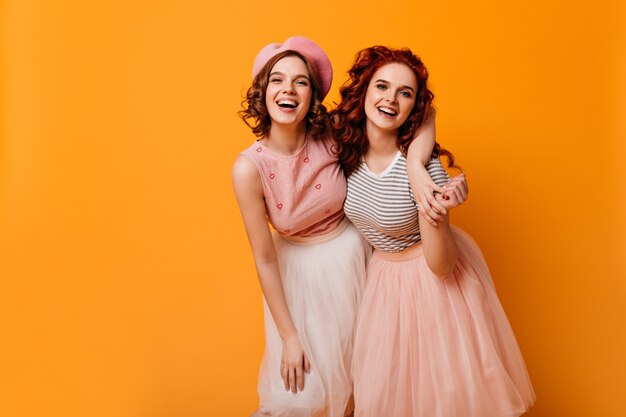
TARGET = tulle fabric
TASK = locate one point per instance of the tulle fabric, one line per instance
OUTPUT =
(427, 347)
(323, 280)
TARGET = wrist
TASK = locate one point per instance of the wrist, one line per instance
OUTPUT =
(289, 335)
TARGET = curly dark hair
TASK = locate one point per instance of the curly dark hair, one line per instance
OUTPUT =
(256, 115)
(348, 118)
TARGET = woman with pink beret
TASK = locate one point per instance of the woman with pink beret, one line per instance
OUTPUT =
(311, 266)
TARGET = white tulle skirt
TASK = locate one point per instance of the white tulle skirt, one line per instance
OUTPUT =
(323, 280)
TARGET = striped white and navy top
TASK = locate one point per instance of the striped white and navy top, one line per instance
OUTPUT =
(382, 206)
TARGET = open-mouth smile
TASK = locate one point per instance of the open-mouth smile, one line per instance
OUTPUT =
(387, 111)
(287, 104)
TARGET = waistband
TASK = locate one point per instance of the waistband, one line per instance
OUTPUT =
(309, 240)
(409, 253)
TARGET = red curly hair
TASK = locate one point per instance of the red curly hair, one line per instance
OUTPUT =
(348, 118)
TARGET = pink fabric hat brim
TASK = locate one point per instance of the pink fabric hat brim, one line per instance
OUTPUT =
(309, 49)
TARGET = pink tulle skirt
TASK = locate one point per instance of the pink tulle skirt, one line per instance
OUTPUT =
(427, 347)
(323, 280)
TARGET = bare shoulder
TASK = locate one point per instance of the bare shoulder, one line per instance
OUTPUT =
(244, 169)
(246, 178)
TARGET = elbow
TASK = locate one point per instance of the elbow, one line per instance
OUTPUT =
(264, 264)
(443, 268)
(443, 272)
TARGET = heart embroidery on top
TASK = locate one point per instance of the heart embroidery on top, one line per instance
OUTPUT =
(327, 211)
(318, 186)
(258, 149)
(272, 175)
(279, 205)
(306, 160)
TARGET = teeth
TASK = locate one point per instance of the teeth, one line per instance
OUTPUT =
(287, 103)
(387, 110)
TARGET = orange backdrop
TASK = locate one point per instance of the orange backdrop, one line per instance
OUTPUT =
(127, 284)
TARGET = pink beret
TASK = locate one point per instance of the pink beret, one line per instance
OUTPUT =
(309, 49)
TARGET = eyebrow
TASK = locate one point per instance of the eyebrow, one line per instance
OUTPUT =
(297, 76)
(380, 80)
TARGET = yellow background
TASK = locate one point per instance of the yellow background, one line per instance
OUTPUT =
(127, 285)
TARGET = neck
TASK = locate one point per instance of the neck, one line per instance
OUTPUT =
(381, 142)
(286, 139)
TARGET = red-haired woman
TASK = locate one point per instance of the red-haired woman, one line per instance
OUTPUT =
(432, 339)
(312, 266)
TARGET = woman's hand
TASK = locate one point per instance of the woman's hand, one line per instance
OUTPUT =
(425, 192)
(293, 364)
(454, 193)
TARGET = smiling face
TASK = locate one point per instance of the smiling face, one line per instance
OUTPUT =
(288, 94)
(390, 97)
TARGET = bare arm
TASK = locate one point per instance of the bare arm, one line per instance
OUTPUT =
(249, 194)
(418, 155)
(440, 249)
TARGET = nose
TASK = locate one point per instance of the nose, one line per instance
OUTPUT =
(289, 88)
(391, 96)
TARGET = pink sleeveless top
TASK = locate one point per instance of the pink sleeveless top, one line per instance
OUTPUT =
(304, 193)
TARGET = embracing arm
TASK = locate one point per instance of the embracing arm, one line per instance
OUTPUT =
(421, 148)
(249, 194)
(418, 155)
